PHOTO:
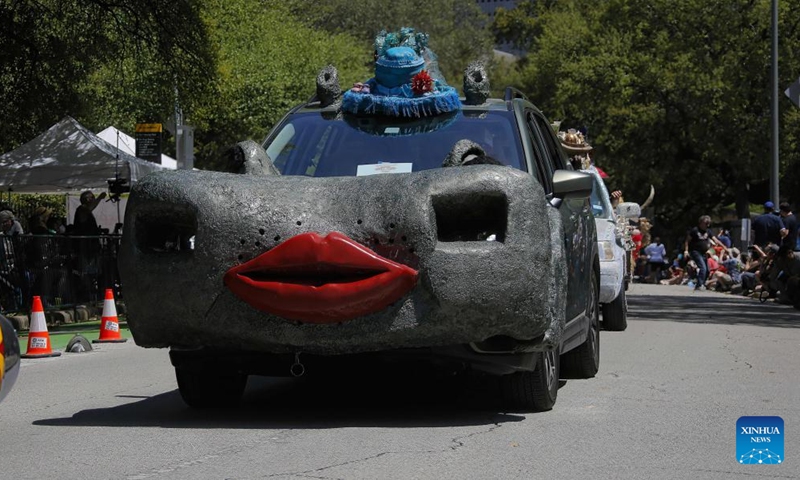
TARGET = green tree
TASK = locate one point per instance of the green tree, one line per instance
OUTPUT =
(267, 63)
(673, 94)
(100, 62)
(458, 29)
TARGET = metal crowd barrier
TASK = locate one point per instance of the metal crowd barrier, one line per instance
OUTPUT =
(64, 270)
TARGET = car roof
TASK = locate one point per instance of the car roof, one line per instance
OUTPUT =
(490, 104)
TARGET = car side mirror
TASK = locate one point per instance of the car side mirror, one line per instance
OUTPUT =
(629, 210)
(9, 357)
(572, 184)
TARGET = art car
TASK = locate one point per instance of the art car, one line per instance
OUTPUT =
(395, 220)
(613, 237)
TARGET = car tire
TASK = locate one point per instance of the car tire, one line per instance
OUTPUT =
(208, 389)
(534, 391)
(584, 361)
(615, 314)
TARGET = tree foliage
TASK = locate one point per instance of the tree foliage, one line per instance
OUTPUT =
(98, 61)
(267, 63)
(458, 29)
(674, 94)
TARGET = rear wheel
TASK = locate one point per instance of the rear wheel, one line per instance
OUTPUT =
(584, 361)
(534, 391)
(209, 389)
(615, 314)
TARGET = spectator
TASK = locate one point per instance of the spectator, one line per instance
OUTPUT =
(790, 224)
(656, 255)
(88, 249)
(788, 276)
(732, 274)
(38, 221)
(84, 221)
(768, 272)
(724, 238)
(677, 275)
(767, 227)
(697, 243)
(9, 225)
(39, 252)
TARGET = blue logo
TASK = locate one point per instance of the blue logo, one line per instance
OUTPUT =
(759, 440)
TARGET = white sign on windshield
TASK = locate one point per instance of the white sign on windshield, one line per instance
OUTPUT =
(376, 168)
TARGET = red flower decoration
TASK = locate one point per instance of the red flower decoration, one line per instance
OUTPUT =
(421, 83)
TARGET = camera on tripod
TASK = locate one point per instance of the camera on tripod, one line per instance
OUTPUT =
(116, 187)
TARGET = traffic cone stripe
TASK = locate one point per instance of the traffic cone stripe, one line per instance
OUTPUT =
(109, 308)
(38, 338)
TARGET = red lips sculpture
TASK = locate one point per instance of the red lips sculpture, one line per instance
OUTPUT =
(317, 279)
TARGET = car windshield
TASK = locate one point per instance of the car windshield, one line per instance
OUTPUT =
(326, 145)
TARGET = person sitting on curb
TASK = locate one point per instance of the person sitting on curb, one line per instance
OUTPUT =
(788, 276)
(732, 274)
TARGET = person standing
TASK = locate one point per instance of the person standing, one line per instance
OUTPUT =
(698, 241)
(790, 225)
(767, 227)
(84, 222)
(89, 250)
(656, 255)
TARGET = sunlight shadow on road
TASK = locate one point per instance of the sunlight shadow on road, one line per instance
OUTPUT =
(712, 308)
(279, 403)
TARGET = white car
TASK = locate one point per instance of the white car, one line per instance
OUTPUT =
(614, 267)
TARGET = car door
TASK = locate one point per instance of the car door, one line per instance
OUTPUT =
(575, 216)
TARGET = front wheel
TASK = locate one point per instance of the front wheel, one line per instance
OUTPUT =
(534, 391)
(615, 314)
(209, 389)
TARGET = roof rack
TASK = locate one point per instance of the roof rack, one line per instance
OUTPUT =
(512, 93)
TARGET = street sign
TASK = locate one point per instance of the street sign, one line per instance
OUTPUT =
(148, 141)
(793, 92)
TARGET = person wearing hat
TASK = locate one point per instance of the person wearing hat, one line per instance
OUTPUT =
(577, 148)
(38, 221)
(767, 227)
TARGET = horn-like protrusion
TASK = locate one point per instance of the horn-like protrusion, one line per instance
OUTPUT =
(249, 158)
(461, 151)
(476, 84)
(328, 90)
(649, 198)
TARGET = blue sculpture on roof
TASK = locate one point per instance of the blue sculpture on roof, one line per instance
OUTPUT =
(407, 81)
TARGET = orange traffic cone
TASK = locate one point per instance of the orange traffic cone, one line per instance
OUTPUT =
(38, 339)
(109, 325)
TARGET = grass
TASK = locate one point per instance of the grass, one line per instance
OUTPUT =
(60, 335)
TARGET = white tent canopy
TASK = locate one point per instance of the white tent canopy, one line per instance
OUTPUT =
(67, 158)
(127, 144)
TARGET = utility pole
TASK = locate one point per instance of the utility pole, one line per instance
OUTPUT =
(184, 137)
(775, 170)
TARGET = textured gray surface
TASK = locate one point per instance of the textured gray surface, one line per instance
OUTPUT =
(250, 158)
(467, 290)
(476, 84)
(461, 150)
(328, 90)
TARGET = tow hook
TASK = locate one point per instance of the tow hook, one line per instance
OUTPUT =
(297, 369)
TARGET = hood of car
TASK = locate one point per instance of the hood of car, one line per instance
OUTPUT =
(265, 260)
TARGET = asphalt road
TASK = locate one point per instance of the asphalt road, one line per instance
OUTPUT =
(664, 405)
